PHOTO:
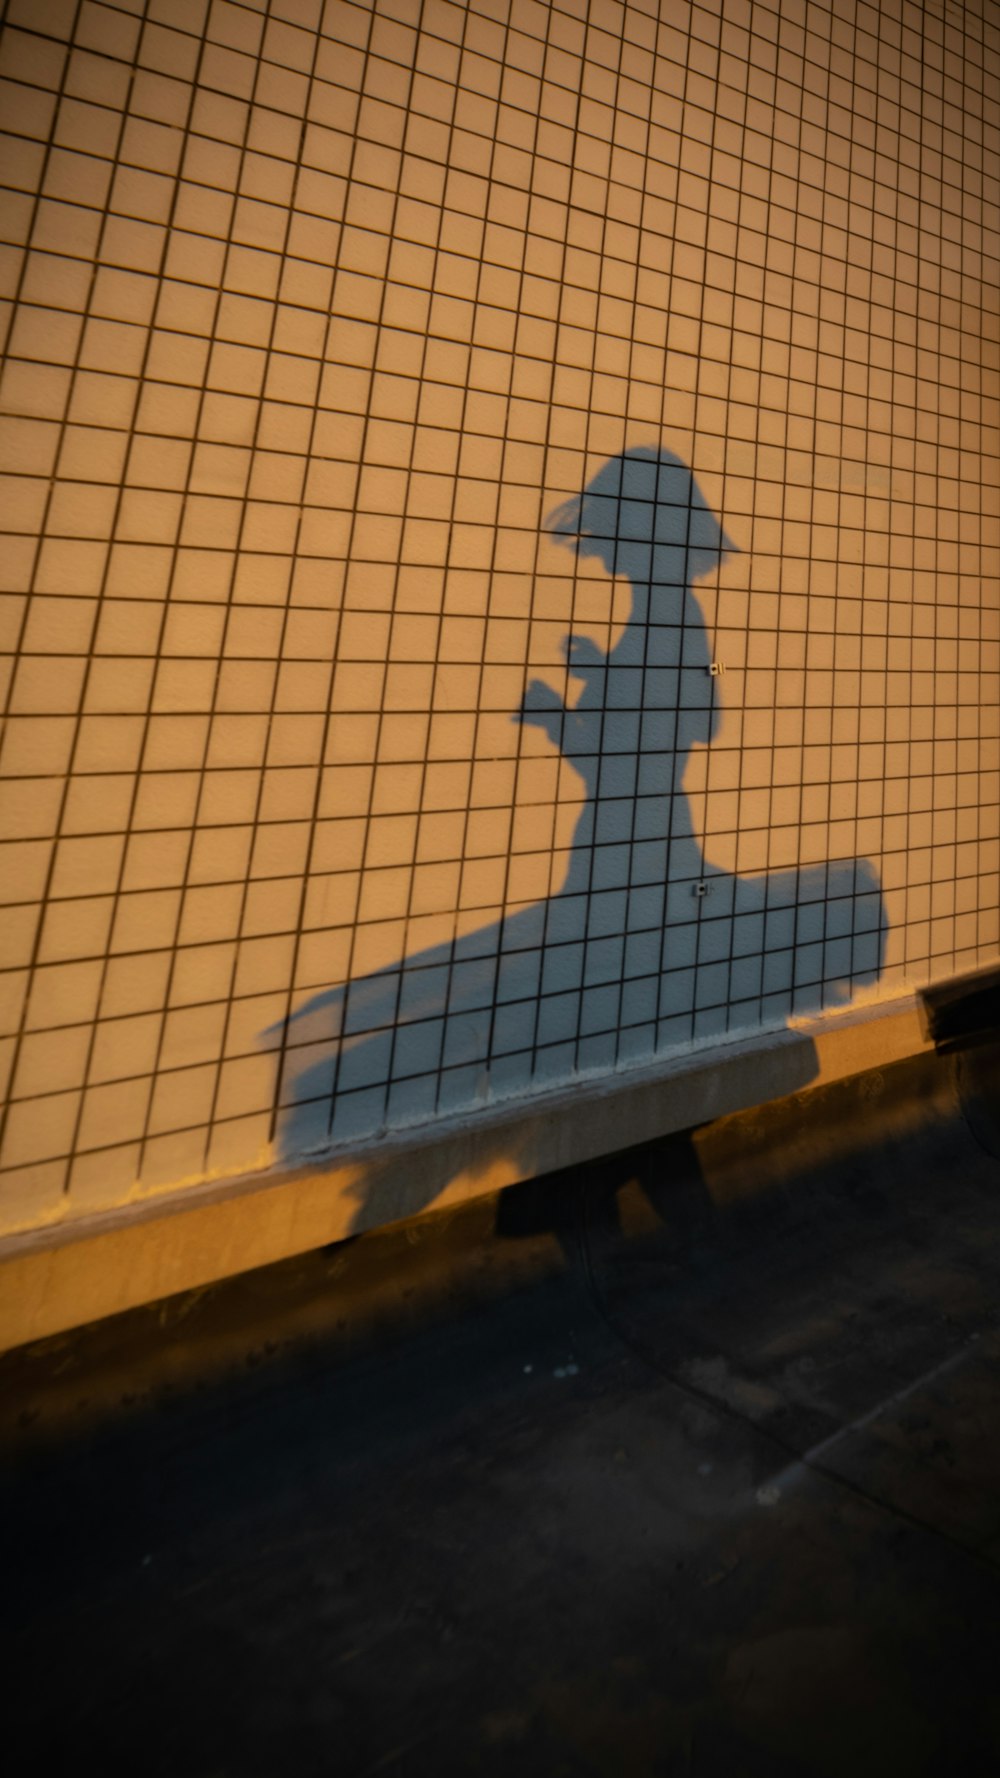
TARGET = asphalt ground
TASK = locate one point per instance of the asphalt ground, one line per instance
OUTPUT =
(687, 1462)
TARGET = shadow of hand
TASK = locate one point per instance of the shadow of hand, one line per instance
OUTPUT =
(586, 661)
(544, 708)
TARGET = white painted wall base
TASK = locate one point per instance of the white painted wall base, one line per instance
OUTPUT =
(83, 1269)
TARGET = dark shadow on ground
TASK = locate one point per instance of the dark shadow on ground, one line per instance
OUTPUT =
(715, 1496)
(962, 1019)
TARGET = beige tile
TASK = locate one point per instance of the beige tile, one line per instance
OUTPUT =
(202, 973)
(17, 935)
(247, 1085)
(86, 866)
(210, 913)
(124, 1047)
(272, 906)
(51, 1062)
(145, 921)
(182, 1097)
(263, 967)
(102, 1178)
(174, 1159)
(154, 860)
(240, 1145)
(219, 855)
(40, 1129)
(32, 1195)
(75, 928)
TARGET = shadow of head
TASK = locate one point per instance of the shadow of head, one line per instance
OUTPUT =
(643, 515)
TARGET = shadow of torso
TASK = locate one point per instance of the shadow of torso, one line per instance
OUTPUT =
(646, 946)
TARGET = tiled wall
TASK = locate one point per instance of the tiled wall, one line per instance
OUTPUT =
(315, 313)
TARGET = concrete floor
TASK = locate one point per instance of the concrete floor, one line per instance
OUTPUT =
(687, 1463)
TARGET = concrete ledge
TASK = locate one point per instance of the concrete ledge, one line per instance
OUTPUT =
(77, 1271)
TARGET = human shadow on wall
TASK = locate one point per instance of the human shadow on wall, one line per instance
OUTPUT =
(647, 945)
